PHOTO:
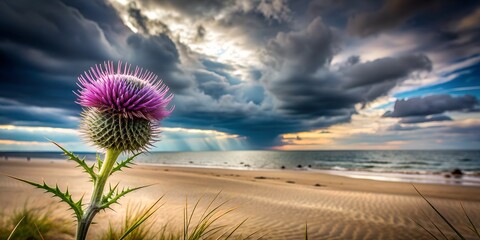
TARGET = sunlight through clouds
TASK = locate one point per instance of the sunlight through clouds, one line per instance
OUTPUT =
(250, 74)
(173, 139)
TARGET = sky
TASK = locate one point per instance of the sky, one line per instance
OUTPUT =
(252, 74)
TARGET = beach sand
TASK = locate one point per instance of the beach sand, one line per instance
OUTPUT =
(277, 203)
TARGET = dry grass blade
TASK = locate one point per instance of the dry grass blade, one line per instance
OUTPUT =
(38, 230)
(235, 229)
(15, 228)
(435, 225)
(426, 230)
(208, 207)
(306, 231)
(146, 215)
(253, 233)
(473, 228)
(440, 214)
(34, 223)
(188, 219)
(205, 225)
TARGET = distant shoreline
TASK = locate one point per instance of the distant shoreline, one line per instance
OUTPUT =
(418, 177)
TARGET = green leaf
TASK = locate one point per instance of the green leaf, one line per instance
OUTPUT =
(125, 163)
(64, 196)
(99, 162)
(110, 193)
(80, 162)
(113, 195)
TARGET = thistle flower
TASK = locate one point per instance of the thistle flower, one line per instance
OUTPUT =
(122, 106)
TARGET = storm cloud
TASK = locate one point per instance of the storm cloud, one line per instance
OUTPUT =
(256, 69)
(304, 84)
(391, 14)
(434, 104)
(423, 119)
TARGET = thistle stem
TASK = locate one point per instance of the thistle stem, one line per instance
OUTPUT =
(96, 199)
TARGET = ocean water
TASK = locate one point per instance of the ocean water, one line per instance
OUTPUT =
(394, 165)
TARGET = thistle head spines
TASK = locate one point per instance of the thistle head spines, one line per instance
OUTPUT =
(111, 131)
(131, 93)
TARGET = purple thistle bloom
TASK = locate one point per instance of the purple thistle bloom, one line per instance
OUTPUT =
(132, 94)
(122, 107)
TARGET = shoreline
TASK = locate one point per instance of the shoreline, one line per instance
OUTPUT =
(342, 179)
(279, 201)
(400, 177)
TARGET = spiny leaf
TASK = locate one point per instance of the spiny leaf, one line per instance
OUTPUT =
(110, 192)
(112, 197)
(124, 163)
(64, 197)
(99, 162)
(80, 162)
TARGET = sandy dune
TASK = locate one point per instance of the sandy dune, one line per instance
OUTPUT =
(276, 203)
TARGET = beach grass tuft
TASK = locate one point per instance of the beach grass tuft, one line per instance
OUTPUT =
(196, 224)
(137, 224)
(458, 234)
(34, 224)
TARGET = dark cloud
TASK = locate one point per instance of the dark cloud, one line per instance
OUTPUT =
(385, 69)
(211, 83)
(53, 29)
(27, 115)
(260, 28)
(45, 46)
(423, 119)
(143, 23)
(391, 14)
(158, 53)
(469, 131)
(433, 104)
(303, 51)
(140, 20)
(201, 31)
(220, 69)
(304, 85)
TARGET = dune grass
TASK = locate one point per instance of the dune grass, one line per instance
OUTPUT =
(196, 224)
(441, 234)
(29, 223)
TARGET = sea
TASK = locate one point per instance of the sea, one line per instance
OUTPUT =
(415, 166)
